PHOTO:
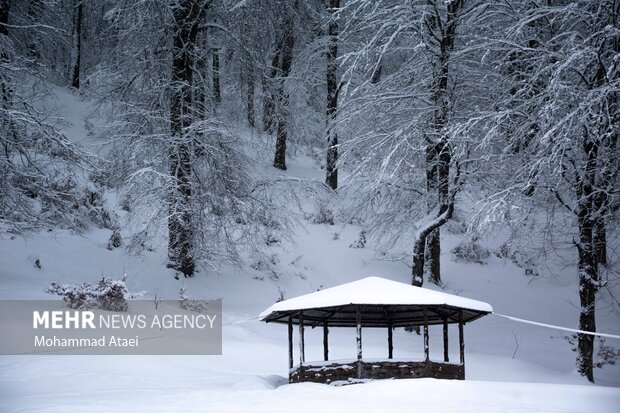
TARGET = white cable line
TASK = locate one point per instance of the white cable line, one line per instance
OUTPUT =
(239, 321)
(521, 320)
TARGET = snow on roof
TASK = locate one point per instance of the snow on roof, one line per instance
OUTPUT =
(375, 291)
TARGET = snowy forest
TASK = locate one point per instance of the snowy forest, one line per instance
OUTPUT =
(222, 139)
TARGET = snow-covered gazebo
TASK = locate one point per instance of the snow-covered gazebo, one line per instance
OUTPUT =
(378, 303)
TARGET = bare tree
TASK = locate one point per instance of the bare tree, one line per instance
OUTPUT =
(554, 131)
(402, 94)
(285, 62)
(187, 15)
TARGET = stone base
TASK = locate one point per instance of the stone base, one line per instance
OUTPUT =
(385, 369)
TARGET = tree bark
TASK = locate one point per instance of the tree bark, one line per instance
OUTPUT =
(587, 295)
(600, 242)
(417, 270)
(250, 97)
(588, 266)
(6, 88)
(217, 91)
(331, 178)
(268, 90)
(76, 48)
(180, 222)
(283, 97)
(34, 14)
(4, 17)
(438, 153)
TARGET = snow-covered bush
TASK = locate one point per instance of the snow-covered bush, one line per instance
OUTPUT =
(108, 294)
(197, 306)
(470, 251)
(115, 240)
(606, 354)
(271, 239)
(281, 294)
(323, 215)
(268, 265)
(456, 226)
(360, 242)
(518, 258)
(76, 202)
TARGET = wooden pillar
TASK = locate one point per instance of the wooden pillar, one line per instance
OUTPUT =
(446, 356)
(358, 317)
(302, 356)
(325, 341)
(461, 339)
(290, 342)
(426, 350)
(390, 342)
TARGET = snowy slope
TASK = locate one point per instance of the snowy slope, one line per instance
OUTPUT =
(510, 367)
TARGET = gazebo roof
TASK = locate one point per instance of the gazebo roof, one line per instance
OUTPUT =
(382, 303)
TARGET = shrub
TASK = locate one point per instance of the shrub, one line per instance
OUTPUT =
(470, 251)
(107, 294)
(115, 240)
(324, 215)
(518, 258)
(360, 242)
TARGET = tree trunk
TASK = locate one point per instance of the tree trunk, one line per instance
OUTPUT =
(588, 266)
(180, 225)
(432, 256)
(201, 105)
(417, 271)
(217, 92)
(76, 48)
(331, 177)
(376, 75)
(34, 14)
(4, 17)
(587, 293)
(281, 136)
(283, 98)
(438, 159)
(268, 90)
(438, 153)
(600, 242)
(6, 89)
(250, 97)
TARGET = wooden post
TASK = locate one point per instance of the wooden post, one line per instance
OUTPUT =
(390, 342)
(290, 342)
(446, 356)
(426, 350)
(325, 341)
(358, 316)
(461, 339)
(302, 356)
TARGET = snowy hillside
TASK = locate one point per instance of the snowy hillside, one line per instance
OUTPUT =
(510, 366)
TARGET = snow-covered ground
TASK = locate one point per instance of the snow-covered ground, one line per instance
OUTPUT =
(510, 367)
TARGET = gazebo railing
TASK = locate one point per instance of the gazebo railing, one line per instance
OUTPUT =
(343, 370)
